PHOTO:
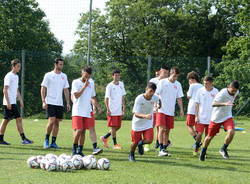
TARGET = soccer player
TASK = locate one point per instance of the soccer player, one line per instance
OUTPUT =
(11, 93)
(162, 74)
(194, 86)
(169, 90)
(142, 123)
(222, 115)
(53, 85)
(115, 104)
(203, 109)
(83, 91)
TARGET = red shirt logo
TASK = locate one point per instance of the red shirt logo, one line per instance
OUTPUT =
(62, 77)
(152, 103)
(212, 95)
(175, 87)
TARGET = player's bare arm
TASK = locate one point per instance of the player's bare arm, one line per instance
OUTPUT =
(5, 92)
(144, 116)
(179, 101)
(95, 105)
(20, 99)
(43, 92)
(66, 94)
(123, 105)
(196, 113)
(79, 93)
(218, 104)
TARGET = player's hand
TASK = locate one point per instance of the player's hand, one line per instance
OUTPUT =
(68, 107)
(182, 114)
(21, 104)
(148, 116)
(230, 103)
(9, 106)
(94, 110)
(197, 120)
(86, 83)
(108, 112)
(123, 112)
(99, 110)
(45, 106)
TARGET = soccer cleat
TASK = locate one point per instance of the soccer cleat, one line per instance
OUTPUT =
(27, 141)
(146, 147)
(104, 141)
(202, 156)
(195, 153)
(224, 153)
(54, 145)
(163, 153)
(140, 148)
(117, 146)
(4, 143)
(131, 157)
(97, 151)
(46, 144)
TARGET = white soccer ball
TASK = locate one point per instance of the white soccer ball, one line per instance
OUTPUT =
(87, 162)
(51, 156)
(94, 163)
(67, 166)
(77, 162)
(39, 158)
(33, 163)
(103, 164)
(51, 165)
(43, 163)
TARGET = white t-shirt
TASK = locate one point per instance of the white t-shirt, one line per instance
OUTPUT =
(154, 80)
(55, 83)
(205, 99)
(143, 106)
(11, 80)
(220, 114)
(193, 88)
(82, 105)
(168, 93)
(115, 93)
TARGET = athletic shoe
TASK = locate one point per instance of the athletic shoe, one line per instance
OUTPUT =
(46, 144)
(146, 147)
(131, 157)
(224, 153)
(195, 153)
(117, 146)
(104, 141)
(4, 143)
(202, 156)
(140, 148)
(54, 145)
(27, 141)
(169, 144)
(96, 151)
(163, 153)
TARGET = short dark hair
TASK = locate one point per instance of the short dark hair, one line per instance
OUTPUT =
(87, 69)
(56, 61)
(175, 69)
(193, 75)
(14, 62)
(209, 79)
(115, 71)
(152, 86)
(235, 84)
(165, 67)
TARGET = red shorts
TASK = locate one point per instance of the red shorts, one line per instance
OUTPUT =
(154, 120)
(137, 136)
(79, 122)
(201, 127)
(214, 128)
(92, 120)
(190, 120)
(114, 121)
(165, 120)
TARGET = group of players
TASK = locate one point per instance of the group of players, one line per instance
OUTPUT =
(208, 109)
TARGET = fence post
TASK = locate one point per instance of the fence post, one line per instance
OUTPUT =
(208, 65)
(89, 39)
(149, 67)
(22, 79)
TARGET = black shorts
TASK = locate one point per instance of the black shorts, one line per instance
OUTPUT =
(11, 114)
(54, 111)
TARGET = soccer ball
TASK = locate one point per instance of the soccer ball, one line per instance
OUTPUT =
(87, 162)
(51, 156)
(51, 165)
(77, 162)
(66, 166)
(39, 159)
(32, 162)
(103, 164)
(94, 163)
(43, 163)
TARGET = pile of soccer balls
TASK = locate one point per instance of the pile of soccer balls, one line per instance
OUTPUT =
(66, 163)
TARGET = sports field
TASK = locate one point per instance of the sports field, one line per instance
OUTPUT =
(182, 167)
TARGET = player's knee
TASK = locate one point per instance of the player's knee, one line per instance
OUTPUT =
(231, 132)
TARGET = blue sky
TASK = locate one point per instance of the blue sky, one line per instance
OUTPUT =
(63, 16)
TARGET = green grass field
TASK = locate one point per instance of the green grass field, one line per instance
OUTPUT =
(181, 167)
